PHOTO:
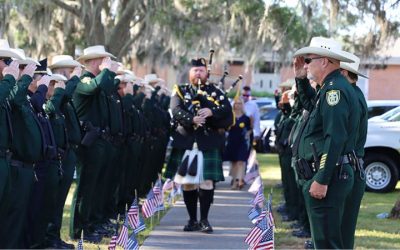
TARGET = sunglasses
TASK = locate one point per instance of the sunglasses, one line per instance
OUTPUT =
(244, 95)
(7, 61)
(309, 59)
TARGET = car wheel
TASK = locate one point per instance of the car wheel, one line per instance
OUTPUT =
(380, 172)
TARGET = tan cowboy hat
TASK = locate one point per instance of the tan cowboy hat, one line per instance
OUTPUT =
(152, 78)
(326, 47)
(288, 83)
(27, 60)
(58, 77)
(92, 52)
(64, 61)
(128, 76)
(352, 67)
(6, 51)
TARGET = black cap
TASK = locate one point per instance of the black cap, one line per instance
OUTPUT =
(42, 69)
(199, 62)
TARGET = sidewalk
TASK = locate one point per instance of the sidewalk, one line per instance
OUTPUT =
(228, 217)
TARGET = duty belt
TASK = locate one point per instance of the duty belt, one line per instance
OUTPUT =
(17, 163)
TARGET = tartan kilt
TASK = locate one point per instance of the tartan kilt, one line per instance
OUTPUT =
(212, 166)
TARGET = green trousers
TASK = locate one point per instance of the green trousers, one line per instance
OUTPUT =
(13, 226)
(4, 187)
(352, 207)
(290, 189)
(129, 176)
(326, 215)
(90, 163)
(63, 186)
(42, 202)
(301, 206)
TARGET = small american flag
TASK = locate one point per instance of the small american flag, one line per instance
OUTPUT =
(113, 243)
(133, 214)
(257, 184)
(254, 213)
(123, 235)
(255, 234)
(150, 204)
(259, 198)
(168, 185)
(132, 243)
(266, 241)
(252, 173)
(271, 221)
(141, 227)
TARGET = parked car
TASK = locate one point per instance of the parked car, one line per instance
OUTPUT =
(382, 152)
(265, 101)
(378, 107)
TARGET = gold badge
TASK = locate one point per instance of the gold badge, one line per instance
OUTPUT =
(86, 80)
(333, 97)
(241, 125)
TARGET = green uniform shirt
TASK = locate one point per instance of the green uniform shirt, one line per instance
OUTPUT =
(57, 119)
(331, 125)
(90, 97)
(71, 117)
(361, 137)
(6, 85)
(26, 126)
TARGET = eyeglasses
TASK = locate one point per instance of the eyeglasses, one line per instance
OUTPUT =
(7, 61)
(309, 59)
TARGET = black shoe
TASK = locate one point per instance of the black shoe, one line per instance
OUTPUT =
(92, 237)
(101, 230)
(58, 244)
(295, 225)
(308, 244)
(278, 185)
(205, 226)
(286, 218)
(191, 226)
(301, 233)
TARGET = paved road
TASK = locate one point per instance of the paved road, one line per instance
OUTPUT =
(228, 216)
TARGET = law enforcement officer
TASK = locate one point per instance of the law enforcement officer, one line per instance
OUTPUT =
(200, 113)
(26, 128)
(353, 202)
(90, 99)
(47, 169)
(71, 69)
(9, 74)
(330, 129)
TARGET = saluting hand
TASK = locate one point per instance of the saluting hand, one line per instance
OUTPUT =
(105, 64)
(29, 70)
(205, 112)
(318, 191)
(76, 72)
(59, 84)
(128, 89)
(298, 67)
(12, 69)
(44, 80)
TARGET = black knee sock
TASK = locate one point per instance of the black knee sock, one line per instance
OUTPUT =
(206, 198)
(190, 198)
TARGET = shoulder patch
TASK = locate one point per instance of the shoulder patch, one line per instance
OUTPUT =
(86, 80)
(332, 97)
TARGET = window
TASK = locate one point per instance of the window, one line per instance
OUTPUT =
(267, 68)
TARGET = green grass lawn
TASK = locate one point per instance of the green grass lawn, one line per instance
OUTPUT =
(150, 223)
(371, 233)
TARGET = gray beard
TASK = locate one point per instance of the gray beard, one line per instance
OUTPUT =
(310, 77)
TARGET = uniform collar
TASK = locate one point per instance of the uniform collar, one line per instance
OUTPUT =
(330, 77)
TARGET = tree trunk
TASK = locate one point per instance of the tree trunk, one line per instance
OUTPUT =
(395, 213)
